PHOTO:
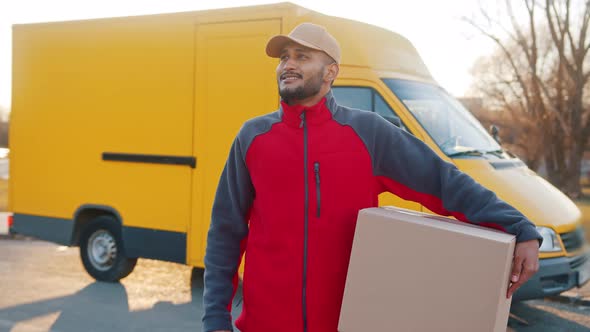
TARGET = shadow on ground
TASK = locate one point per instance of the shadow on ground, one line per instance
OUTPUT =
(104, 307)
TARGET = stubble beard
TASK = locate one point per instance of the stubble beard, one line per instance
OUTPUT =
(309, 88)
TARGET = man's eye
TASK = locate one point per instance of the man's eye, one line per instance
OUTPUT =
(283, 57)
(302, 56)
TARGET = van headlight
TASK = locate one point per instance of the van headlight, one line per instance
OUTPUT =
(550, 240)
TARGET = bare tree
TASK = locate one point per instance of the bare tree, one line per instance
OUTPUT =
(504, 107)
(544, 77)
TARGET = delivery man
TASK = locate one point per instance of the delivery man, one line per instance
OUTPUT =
(292, 187)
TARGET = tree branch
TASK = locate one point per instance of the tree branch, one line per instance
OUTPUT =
(521, 40)
(559, 42)
(508, 57)
(584, 29)
(568, 32)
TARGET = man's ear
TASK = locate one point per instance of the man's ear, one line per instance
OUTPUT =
(331, 72)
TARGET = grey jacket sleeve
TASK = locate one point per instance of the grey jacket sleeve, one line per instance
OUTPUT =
(408, 168)
(227, 234)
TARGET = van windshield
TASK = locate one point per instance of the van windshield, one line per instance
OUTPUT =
(452, 127)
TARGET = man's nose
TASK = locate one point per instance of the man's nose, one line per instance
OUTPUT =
(290, 64)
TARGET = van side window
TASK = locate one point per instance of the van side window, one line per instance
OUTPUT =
(366, 99)
(361, 98)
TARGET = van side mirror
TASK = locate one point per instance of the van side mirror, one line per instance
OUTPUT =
(494, 131)
(394, 120)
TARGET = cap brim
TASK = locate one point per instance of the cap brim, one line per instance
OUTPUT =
(275, 45)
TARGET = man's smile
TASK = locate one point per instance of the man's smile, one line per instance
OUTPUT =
(290, 77)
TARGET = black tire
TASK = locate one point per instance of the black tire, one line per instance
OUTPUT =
(102, 251)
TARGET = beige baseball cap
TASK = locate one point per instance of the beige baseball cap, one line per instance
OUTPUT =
(309, 35)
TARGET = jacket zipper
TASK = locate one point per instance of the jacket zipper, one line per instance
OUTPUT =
(305, 218)
(316, 170)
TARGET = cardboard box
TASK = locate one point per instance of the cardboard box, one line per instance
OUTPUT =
(412, 271)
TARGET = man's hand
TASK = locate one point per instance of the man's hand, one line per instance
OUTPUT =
(524, 265)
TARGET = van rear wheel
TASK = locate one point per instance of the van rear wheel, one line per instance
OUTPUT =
(101, 250)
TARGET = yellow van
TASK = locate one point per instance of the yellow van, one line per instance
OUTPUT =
(120, 128)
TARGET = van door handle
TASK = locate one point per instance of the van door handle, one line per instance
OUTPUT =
(150, 158)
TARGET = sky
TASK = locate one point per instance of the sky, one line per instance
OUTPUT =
(448, 45)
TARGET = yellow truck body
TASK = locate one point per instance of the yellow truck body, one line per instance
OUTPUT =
(132, 119)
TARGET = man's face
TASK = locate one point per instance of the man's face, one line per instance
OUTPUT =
(301, 72)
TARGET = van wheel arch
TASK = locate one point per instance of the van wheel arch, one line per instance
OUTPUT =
(88, 212)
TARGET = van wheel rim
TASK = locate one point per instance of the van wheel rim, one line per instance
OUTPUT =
(102, 250)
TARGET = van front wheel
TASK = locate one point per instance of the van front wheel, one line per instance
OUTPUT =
(101, 250)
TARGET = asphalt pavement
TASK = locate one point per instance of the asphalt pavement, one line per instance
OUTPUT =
(44, 288)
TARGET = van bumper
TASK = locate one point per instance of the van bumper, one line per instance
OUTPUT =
(555, 275)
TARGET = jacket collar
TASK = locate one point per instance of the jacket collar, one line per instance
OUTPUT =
(314, 115)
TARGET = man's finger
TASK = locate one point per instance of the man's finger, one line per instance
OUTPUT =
(515, 275)
(529, 268)
(516, 269)
(513, 289)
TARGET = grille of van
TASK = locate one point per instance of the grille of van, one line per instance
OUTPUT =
(573, 241)
(576, 262)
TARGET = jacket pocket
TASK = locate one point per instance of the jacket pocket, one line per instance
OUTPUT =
(316, 170)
